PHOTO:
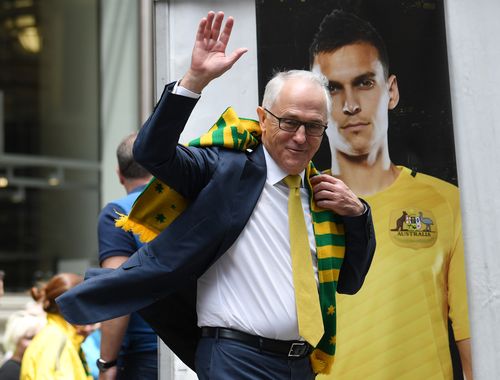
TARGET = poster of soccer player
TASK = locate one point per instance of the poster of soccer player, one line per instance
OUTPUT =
(390, 138)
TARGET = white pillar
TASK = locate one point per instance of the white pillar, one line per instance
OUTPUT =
(472, 35)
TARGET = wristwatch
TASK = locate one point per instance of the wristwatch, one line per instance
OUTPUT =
(103, 365)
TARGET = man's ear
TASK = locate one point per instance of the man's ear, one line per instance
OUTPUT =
(120, 176)
(392, 82)
(261, 113)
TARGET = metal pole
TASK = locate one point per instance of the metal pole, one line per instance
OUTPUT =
(2, 129)
(146, 59)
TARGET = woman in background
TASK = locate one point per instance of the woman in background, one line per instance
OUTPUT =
(55, 352)
(20, 329)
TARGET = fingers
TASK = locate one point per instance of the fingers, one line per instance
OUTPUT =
(200, 34)
(209, 59)
(216, 26)
(207, 32)
(326, 187)
(324, 179)
(226, 33)
(331, 193)
(210, 26)
(235, 55)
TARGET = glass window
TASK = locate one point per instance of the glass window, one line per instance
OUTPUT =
(49, 137)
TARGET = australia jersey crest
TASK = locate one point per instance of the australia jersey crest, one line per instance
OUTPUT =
(413, 228)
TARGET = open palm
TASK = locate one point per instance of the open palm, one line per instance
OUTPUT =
(209, 59)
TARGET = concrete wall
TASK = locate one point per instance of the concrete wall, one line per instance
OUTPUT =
(472, 31)
(120, 86)
(238, 87)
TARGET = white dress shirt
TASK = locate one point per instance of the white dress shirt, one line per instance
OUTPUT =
(250, 288)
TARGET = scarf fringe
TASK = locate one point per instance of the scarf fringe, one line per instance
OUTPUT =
(321, 362)
(144, 233)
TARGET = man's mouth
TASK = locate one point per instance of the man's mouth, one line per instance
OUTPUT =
(296, 150)
(354, 126)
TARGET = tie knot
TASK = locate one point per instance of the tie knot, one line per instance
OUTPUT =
(293, 181)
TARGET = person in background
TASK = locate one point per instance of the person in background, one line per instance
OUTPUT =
(396, 326)
(91, 346)
(55, 352)
(20, 329)
(128, 344)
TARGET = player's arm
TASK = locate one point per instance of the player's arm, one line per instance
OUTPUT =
(464, 349)
(457, 297)
(115, 247)
(112, 331)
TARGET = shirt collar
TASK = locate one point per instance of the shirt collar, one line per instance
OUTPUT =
(274, 173)
(138, 188)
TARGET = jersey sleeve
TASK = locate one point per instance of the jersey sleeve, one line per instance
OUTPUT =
(457, 287)
(113, 241)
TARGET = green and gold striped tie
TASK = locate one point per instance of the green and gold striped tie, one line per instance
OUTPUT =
(306, 292)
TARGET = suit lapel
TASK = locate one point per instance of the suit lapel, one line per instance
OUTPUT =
(248, 190)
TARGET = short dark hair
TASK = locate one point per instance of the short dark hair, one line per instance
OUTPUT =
(128, 167)
(341, 28)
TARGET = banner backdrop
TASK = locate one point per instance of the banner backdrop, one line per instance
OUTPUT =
(421, 130)
(411, 237)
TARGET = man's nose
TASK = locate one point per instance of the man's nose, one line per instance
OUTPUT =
(300, 135)
(351, 104)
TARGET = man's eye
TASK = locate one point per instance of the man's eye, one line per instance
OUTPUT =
(290, 123)
(315, 126)
(367, 83)
(333, 88)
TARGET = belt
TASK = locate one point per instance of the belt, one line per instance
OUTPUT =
(292, 349)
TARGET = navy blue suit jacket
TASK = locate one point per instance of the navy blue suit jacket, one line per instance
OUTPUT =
(223, 186)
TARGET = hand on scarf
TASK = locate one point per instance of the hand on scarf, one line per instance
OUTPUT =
(333, 194)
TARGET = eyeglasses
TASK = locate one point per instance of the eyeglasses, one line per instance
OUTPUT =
(291, 125)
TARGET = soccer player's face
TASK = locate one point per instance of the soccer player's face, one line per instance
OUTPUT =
(361, 96)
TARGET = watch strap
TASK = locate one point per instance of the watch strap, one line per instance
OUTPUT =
(104, 365)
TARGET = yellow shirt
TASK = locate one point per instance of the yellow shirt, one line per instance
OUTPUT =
(396, 327)
(53, 354)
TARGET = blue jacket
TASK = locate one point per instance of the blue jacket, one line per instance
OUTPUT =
(160, 278)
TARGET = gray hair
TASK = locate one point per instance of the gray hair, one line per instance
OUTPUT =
(274, 86)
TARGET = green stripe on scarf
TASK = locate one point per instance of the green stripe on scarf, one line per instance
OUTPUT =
(326, 216)
(158, 205)
(329, 239)
(329, 263)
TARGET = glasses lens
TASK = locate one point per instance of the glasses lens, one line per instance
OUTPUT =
(290, 125)
(315, 129)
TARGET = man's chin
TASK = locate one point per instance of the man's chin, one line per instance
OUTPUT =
(295, 167)
(353, 153)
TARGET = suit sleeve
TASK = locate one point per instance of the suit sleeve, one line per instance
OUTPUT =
(359, 250)
(186, 169)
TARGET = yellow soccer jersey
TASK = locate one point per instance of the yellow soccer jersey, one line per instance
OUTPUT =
(396, 326)
(54, 353)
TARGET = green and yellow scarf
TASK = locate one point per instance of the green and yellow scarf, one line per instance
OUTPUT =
(159, 205)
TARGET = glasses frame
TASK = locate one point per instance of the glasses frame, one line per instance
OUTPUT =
(306, 124)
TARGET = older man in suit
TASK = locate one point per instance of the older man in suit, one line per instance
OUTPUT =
(231, 255)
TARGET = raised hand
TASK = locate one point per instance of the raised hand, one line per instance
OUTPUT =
(333, 194)
(209, 59)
